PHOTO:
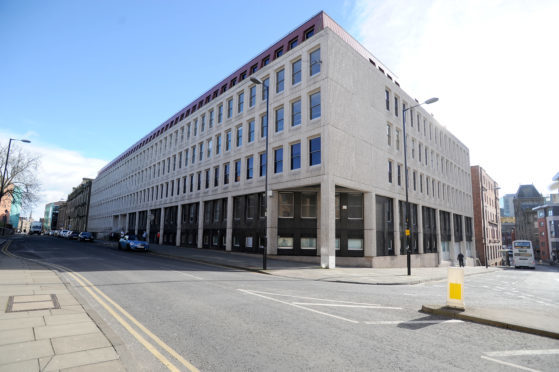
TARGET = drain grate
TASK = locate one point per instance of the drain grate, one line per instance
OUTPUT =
(32, 303)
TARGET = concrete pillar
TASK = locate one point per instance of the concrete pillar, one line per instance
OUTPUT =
(463, 241)
(272, 223)
(438, 229)
(229, 231)
(148, 222)
(161, 225)
(179, 225)
(396, 214)
(452, 251)
(370, 224)
(125, 223)
(136, 223)
(327, 228)
(200, 224)
(420, 247)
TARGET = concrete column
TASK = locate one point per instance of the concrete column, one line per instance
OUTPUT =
(370, 224)
(396, 214)
(161, 225)
(229, 231)
(463, 241)
(327, 228)
(439, 240)
(126, 223)
(179, 225)
(420, 247)
(148, 222)
(452, 252)
(136, 223)
(272, 223)
(200, 224)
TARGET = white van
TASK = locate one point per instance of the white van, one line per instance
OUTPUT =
(523, 254)
(36, 228)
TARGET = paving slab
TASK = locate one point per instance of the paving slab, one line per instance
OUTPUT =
(25, 350)
(62, 330)
(111, 366)
(31, 365)
(67, 318)
(72, 344)
(24, 322)
(80, 358)
(13, 336)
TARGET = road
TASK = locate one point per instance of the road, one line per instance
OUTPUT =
(195, 316)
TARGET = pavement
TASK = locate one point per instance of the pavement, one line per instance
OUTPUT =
(43, 327)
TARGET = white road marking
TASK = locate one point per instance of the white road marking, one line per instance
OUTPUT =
(343, 305)
(312, 298)
(295, 305)
(508, 353)
(390, 322)
(509, 364)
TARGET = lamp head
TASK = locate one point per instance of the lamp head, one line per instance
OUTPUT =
(431, 100)
(255, 80)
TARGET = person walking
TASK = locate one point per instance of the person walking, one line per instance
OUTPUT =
(145, 236)
(461, 259)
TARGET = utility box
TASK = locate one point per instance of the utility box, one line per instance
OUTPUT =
(455, 289)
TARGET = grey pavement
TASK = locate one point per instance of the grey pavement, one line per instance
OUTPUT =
(43, 327)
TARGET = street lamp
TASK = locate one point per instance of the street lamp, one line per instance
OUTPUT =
(267, 90)
(4, 175)
(407, 219)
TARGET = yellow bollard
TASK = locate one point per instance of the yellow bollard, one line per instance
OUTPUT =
(455, 297)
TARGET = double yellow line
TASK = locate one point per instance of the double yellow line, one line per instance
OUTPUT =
(116, 310)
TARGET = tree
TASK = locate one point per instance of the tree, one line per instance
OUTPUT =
(21, 176)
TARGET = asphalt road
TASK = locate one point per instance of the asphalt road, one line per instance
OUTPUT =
(219, 319)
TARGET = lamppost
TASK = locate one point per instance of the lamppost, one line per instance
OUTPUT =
(407, 218)
(267, 92)
(5, 173)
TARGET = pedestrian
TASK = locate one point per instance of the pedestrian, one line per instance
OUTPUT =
(157, 242)
(461, 259)
(144, 236)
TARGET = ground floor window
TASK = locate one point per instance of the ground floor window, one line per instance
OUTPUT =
(285, 242)
(308, 243)
(355, 244)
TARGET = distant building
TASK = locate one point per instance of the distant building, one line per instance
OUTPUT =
(77, 206)
(51, 215)
(548, 230)
(526, 199)
(508, 205)
(507, 231)
(487, 215)
(63, 222)
(23, 224)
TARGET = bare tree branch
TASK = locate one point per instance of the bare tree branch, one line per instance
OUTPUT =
(21, 180)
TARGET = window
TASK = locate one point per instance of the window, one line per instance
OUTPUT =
(191, 182)
(239, 136)
(207, 184)
(315, 105)
(309, 33)
(308, 243)
(201, 147)
(252, 99)
(387, 99)
(355, 244)
(216, 176)
(355, 206)
(292, 43)
(415, 184)
(264, 126)
(230, 108)
(296, 72)
(399, 174)
(279, 119)
(265, 88)
(218, 144)
(237, 170)
(265, 61)
(308, 205)
(193, 154)
(296, 113)
(250, 164)
(315, 62)
(262, 164)
(396, 105)
(228, 140)
(285, 242)
(390, 171)
(296, 156)
(226, 173)
(199, 183)
(398, 142)
(203, 125)
(240, 102)
(314, 151)
(286, 205)
(220, 113)
(389, 134)
(211, 119)
(195, 127)
(279, 80)
(278, 160)
(251, 126)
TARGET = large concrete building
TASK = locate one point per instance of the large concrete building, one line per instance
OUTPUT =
(526, 199)
(335, 164)
(487, 217)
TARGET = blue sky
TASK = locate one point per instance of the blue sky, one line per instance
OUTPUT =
(84, 80)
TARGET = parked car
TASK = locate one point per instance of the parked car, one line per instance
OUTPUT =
(73, 235)
(130, 241)
(85, 236)
(62, 233)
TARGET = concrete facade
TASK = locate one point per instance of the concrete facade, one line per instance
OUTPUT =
(335, 116)
(487, 217)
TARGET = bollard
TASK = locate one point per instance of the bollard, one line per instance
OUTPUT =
(455, 292)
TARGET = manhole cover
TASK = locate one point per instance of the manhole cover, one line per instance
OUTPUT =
(32, 303)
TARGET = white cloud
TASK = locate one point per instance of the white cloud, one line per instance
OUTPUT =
(493, 66)
(60, 170)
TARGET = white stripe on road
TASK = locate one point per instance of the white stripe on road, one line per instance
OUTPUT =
(509, 364)
(508, 353)
(343, 305)
(391, 322)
